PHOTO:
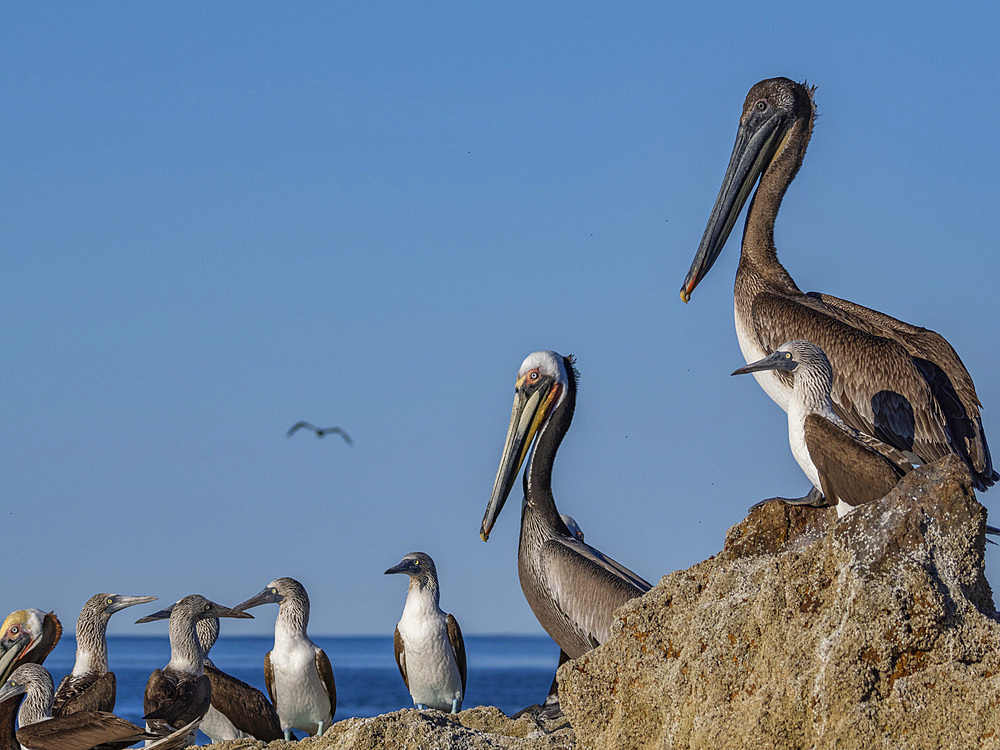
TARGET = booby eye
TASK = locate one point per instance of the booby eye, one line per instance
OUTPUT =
(274, 591)
(417, 563)
(208, 607)
(788, 355)
(761, 105)
(110, 600)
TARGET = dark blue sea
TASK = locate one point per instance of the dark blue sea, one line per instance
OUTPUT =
(509, 672)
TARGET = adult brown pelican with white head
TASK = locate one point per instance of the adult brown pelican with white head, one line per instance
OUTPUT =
(27, 636)
(572, 588)
(900, 383)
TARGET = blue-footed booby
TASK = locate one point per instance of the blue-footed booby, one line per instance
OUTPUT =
(297, 672)
(572, 588)
(238, 710)
(900, 383)
(320, 431)
(847, 466)
(91, 685)
(181, 692)
(430, 651)
(27, 636)
(81, 730)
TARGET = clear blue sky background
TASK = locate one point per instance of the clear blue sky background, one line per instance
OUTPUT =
(221, 218)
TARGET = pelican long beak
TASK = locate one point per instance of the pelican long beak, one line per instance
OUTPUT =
(526, 416)
(11, 651)
(266, 596)
(779, 360)
(755, 147)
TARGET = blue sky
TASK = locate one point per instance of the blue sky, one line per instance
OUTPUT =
(223, 218)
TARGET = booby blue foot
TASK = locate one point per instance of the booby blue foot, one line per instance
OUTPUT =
(421, 707)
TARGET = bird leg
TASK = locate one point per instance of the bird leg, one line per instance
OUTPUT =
(454, 705)
(421, 707)
(814, 499)
(288, 735)
(319, 729)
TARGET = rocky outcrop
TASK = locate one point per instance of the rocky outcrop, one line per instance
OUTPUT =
(480, 728)
(877, 631)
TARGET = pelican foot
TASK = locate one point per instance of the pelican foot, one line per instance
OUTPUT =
(814, 499)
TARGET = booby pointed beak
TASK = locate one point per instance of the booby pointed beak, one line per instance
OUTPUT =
(11, 689)
(219, 611)
(268, 595)
(756, 144)
(163, 614)
(779, 360)
(123, 602)
(404, 566)
(532, 404)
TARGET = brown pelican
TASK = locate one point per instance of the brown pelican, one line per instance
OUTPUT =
(320, 431)
(902, 384)
(297, 672)
(91, 686)
(238, 710)
(27, 637)
(572, 588)
(849, 467)
(430, 651)
(181, 692)
(571, 524)
(81, 730)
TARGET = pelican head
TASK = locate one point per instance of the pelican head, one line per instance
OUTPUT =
(771, 110)
(27, 636)
(542, 383)
(788, 357)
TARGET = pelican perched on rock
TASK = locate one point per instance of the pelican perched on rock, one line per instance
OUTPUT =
(847, 466)
(572, 588)
(238, 710)
(430, 650)
(181, 692)
(91, 685)
(27, 637)
(297, 672)
(81, 730)
(902, 384)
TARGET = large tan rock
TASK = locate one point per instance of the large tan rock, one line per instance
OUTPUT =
(480, 728)
(877, 631)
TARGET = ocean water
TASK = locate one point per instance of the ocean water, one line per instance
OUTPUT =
(509, 672)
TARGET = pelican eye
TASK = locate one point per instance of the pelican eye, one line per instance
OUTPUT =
(14, 630)
(761, 105)
(534, 375)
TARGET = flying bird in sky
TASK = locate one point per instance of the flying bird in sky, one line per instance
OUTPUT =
(320, 431)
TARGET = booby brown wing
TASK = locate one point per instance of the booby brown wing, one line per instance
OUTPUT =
(848, 470)
(908, 417)
(325, 672)
(170, 702)
(944, 372)
(244, 705)
(458, 646)
(92, 692)
(586, 587)
(397, 643)
(80, 731)
(269, 678)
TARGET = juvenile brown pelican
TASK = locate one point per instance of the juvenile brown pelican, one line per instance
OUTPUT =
(430, 651)
(297, 672)
(572, 588)
(91, 686)
(849, 467)
(903, 384)
(82, 730)
(320, 431)
(181, 692)
(27, 637)
(238, 710)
